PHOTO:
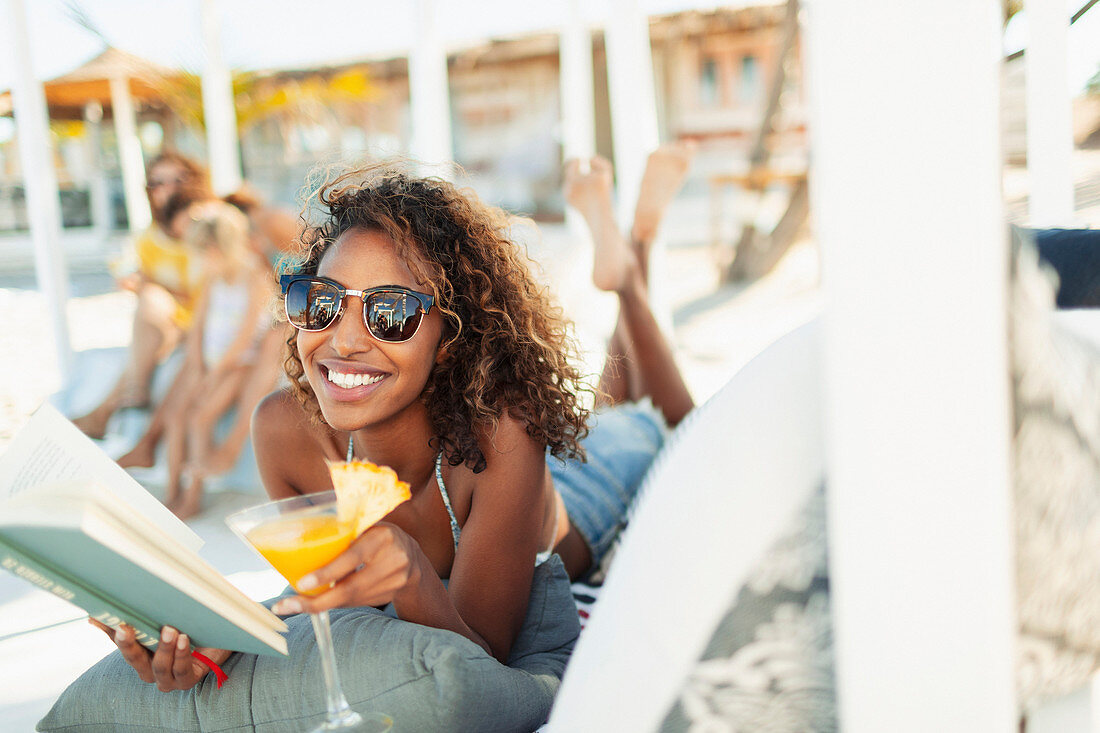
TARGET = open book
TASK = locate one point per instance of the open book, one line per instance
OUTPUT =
(75, 524)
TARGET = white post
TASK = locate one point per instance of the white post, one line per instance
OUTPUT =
(578, 104)
(578, 114)
(429, 97)
(219, 109)
(633, 102)
(39, 182)
(98, 193)
(907, 209)
(129, 155)
(1049, 115)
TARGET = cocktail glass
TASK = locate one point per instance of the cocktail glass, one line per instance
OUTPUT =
(297, 536)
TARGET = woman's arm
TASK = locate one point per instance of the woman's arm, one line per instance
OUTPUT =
(490, 581)
(491, 577)
(287, 447)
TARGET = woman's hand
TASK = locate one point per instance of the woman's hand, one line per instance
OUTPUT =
(378, 567)
(171, 667)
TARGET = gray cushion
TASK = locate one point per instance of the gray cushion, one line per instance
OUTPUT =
(426, 679)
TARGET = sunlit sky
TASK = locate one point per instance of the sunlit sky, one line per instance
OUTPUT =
(273, 34)
(262, 34)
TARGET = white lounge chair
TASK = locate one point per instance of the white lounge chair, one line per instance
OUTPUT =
(731, 477)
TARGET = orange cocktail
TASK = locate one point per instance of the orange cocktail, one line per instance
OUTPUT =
(297, 536)
(299, 544)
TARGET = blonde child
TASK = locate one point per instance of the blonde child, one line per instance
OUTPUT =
(232, 359)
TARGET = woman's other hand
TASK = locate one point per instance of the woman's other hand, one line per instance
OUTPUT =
(171, 666)
(376, 569)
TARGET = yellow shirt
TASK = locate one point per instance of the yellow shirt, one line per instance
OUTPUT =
(167, 262)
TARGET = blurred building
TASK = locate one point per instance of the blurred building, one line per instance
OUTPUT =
(711, 72)
(711, 69)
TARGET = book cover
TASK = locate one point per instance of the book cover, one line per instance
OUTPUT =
(104, 544)
(60, 584)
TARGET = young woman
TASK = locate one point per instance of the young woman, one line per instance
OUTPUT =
(421, 341)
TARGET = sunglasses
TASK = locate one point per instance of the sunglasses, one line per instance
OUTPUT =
(155, 183)
(390, 313)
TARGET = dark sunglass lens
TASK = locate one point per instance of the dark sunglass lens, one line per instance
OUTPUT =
(392, 316)
(312, 305)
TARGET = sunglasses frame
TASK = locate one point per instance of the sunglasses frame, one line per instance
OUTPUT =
(425, 300)
(154, 184)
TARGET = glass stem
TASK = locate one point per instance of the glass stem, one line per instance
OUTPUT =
(338, 707)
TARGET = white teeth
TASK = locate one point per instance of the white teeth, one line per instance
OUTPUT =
(349, 380)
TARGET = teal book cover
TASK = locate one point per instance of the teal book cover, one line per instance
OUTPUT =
(76, 525)
(59, 583)
(83, 549)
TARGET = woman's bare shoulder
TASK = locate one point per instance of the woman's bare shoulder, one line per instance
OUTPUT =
(289, 446)
(510, 434)
(280, 415)
(509, 451)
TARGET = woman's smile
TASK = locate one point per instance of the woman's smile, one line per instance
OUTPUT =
(348, 382)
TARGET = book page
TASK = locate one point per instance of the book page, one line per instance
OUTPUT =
(50, 449)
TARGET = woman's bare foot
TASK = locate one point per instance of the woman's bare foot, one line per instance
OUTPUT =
(589, 191)
(142, 455)
(94, 424)
(665, 170)
(190, 503)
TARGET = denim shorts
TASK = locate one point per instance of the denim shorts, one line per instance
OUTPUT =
(622, 441)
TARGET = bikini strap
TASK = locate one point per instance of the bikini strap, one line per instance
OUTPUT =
(455, 531)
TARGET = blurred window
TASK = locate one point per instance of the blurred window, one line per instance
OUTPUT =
(708, 83)
(750, 79)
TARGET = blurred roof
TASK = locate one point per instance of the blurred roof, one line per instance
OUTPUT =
(67, 94)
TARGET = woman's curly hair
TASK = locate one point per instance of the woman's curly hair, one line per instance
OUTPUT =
(505, 347)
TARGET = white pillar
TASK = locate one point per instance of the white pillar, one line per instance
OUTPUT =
(1049, 115)
(633, 102)
(98, 189)
(39, 181)
(219, 109)
(429, 97)
(907, 209)
(129, 155)
(578, 106)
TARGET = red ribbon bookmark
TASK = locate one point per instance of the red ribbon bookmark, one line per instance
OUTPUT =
(219, 673)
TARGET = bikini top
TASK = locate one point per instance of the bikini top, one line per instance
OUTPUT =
(456, 531)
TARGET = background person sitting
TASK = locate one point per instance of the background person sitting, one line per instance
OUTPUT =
(232, 357)
(166, 281)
